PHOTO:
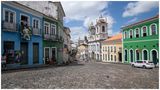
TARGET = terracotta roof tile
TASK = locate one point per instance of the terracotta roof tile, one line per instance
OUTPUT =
(116, 37)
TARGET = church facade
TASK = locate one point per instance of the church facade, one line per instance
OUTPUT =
(97, 34)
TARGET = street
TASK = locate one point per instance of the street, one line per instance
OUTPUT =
(80, 76)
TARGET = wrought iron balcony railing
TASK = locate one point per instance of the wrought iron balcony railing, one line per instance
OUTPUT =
(36, 31)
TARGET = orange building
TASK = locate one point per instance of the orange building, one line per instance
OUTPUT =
(112, 49)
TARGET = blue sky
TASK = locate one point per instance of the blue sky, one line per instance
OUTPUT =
(118, 13)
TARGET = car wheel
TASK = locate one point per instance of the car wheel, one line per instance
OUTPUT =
(144, 66)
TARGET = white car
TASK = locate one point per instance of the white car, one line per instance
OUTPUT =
(143, 64)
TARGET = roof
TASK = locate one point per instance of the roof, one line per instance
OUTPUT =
(142, 21)
(116, 37)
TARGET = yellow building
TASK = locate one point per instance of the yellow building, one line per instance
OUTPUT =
(112, 49)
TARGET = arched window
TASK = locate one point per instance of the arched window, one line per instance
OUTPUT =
(103, 28)
(144, 30)
(125, 35)
(154, 56)
(137, 33)
(131, 33)
(131, 55)
(153, 29)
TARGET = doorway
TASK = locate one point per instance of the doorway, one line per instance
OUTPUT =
(35, 53)
(154, 57)
(54, 54)
(131, 55)
(120, 57)
(24, 49)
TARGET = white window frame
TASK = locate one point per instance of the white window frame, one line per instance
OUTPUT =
(9, 10)
(131, 30)
(55, 29)
(48, 28)
(147, 54)
(151, 59)
(142, 31)
(38, 22)
(26, 16)
(130, 54)
(151, 28)
(136, 33)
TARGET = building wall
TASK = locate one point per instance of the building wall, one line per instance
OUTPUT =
(58, 44)
(149, 42)
(107, 53)
(16, 37)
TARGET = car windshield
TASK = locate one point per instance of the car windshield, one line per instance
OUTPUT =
(150, 62)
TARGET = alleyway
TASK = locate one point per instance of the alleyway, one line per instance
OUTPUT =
(89, 75)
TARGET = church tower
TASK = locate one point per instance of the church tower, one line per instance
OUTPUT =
(101, 28)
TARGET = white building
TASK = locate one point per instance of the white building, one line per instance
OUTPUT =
(97, 34)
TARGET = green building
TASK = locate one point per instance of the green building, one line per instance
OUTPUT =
(53, 36)
(52, 40)
(141, 41)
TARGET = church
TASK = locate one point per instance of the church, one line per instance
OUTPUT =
(97, 34)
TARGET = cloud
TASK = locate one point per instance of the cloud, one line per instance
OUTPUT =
(135, 8)
(132, 20)
(80, 9)
(78, 32)
(86, 12)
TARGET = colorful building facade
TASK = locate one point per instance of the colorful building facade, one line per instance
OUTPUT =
(141, 41)
(112, 49)
(21, 33)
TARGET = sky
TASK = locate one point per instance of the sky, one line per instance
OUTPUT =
(79, 14)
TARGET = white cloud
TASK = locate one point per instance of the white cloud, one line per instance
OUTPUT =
(132, 20)
(78, 32)
(135, 8)
(87, 12)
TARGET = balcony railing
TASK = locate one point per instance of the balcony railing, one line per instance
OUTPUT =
(7, 26)
(36, 31)
(53, 37)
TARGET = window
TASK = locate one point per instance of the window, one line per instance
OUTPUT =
(36, 23)
(137, 33)
(46, 28)
(114, 49)
(131, 33)
(153, 29)
(9, 16)
(106, 48)
(144, 30)
(111, 48)
(125, 35)
(53, 29)
(103, 28)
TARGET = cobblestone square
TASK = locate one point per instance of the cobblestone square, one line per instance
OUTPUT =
(82, 76)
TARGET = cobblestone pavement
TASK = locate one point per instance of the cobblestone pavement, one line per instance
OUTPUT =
(88, 75)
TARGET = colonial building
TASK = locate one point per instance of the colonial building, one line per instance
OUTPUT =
(21, 34)
(82, 49)
(67, 44)
(140, 41)
(97, 34)
(112, 49)
(53, 32)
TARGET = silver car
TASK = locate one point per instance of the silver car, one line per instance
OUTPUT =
(143, 64)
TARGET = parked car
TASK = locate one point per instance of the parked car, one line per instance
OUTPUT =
(143, 64)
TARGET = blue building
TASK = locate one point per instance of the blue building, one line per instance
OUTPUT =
(21, 34)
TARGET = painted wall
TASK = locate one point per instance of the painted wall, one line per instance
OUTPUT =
(16, 37)
(149, 42)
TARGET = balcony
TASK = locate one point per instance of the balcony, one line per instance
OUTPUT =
(52, 37)
(36, 31)
(7, 26)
